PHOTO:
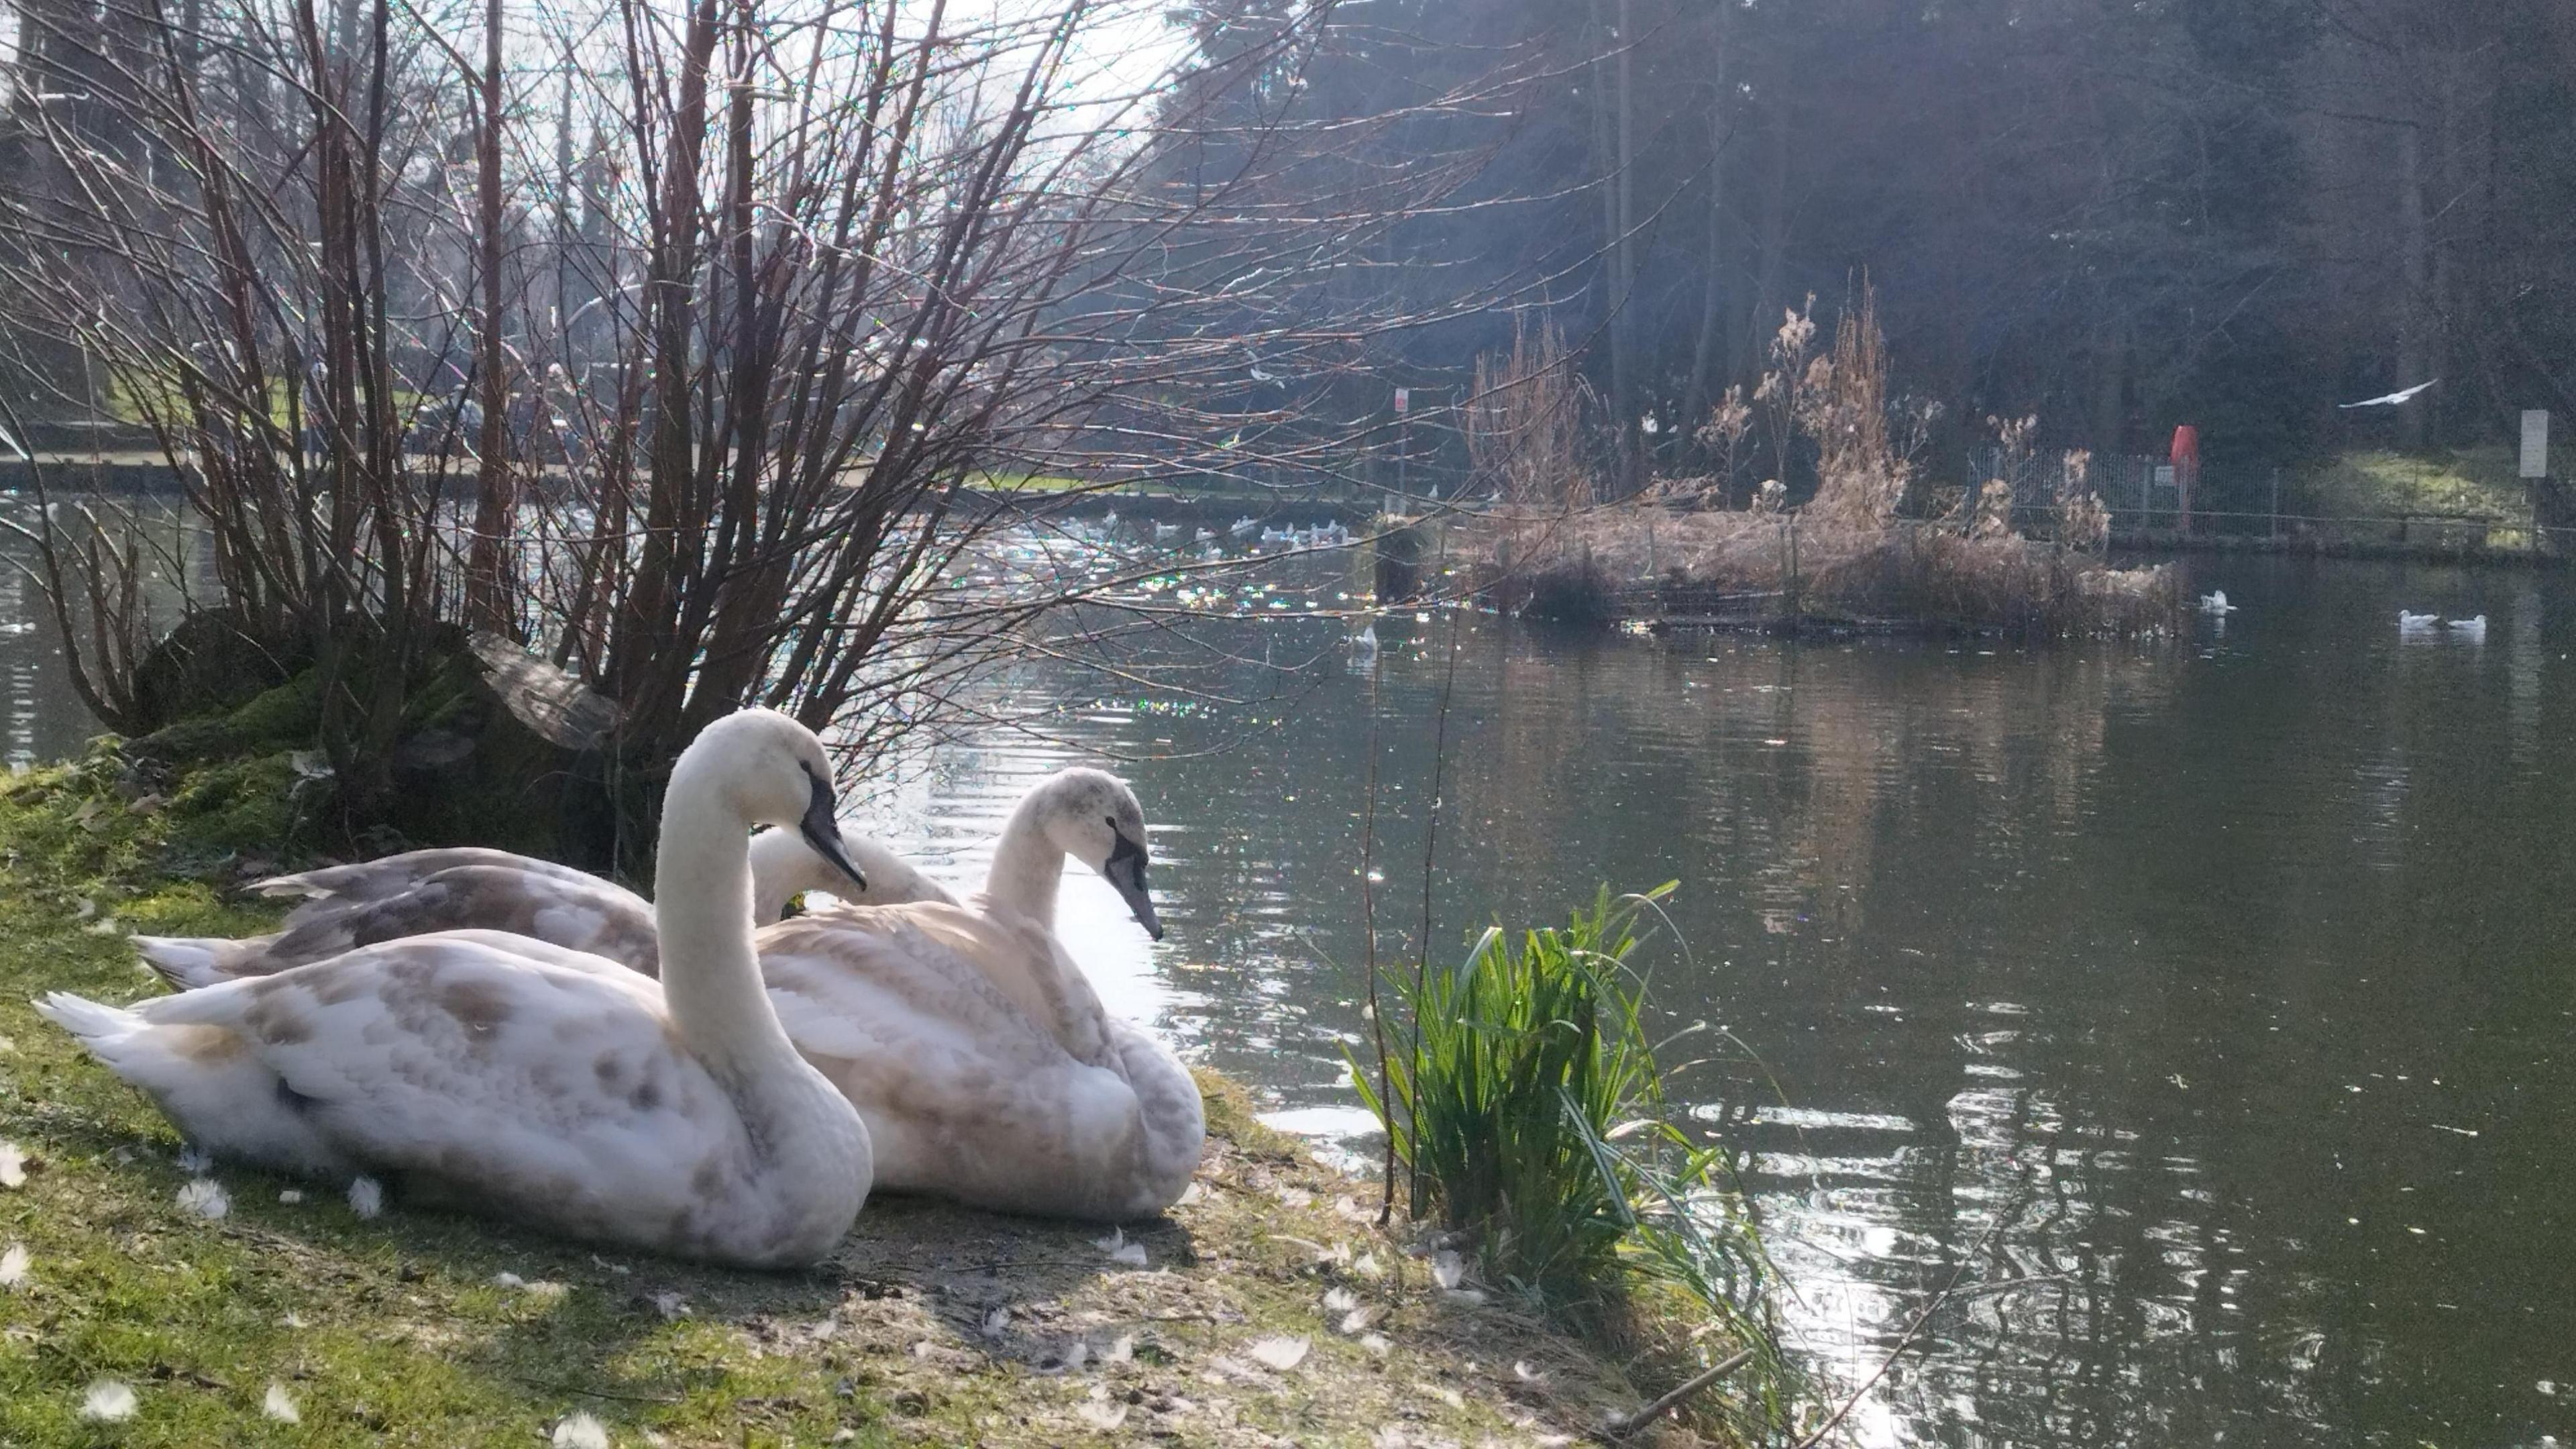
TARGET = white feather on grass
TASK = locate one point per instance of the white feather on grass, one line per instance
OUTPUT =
(279, 1406)
(291, 1196)
(366, 1197)
(1279, 1351)
(13, 1165)
(579, 1431)
(13, 1267)
(107, 1401)
(206, 1198)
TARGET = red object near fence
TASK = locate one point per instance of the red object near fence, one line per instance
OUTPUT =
(2186, 466)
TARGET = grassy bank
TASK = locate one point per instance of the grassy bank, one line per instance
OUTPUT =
(2474, 483)
(1266, 1308)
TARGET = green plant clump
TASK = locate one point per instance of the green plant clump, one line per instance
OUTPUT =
(1526, 1104)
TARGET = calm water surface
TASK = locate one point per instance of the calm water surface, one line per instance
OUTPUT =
(2214, 1002)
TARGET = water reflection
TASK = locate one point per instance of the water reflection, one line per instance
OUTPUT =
(2211, 1004)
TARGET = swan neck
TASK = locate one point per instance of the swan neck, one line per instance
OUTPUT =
(1027, 866)
(702, 892)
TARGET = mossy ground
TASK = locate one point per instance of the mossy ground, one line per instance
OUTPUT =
(2476, 483)
(932, 1325)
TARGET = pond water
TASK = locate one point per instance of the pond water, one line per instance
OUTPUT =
(2214, 1002)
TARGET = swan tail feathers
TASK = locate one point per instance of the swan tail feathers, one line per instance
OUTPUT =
(302, 886)
(94, 1023)
(206, 1080)
(187, 962)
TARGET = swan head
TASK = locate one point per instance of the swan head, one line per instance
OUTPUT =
(1092, 816)
(774, 772)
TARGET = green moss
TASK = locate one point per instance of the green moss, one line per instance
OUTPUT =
(256, 804)
(1233, 1116)
(931, 1325)
(2475, 483)
(287, 717)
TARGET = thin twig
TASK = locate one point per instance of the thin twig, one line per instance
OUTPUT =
(1627, 1424)
(1431, 822)
(1368, 929)
(1912, 1330)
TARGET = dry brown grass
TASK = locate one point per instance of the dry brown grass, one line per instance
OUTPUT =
(1640, 560)
(1525, 424)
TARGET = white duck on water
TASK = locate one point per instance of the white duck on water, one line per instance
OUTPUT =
(548, 1086)
(2216, 603)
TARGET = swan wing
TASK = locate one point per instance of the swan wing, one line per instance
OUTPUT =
(583, 914)
(393, 874)
(963, 1095)
(539, 1082)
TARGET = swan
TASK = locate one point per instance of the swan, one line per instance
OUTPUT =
(2406, 621)
(2473, 628)
(2216, 603)
(976, 1050)
(1364, 643)
(545, 1085)
(461, 888)
(1243, 526)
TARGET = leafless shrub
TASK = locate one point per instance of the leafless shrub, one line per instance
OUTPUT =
(767, 315)
(1525, 423)
(1994, 511)
(2083, 521)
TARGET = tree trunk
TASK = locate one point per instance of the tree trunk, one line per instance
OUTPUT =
(487, 590)
(2414, 327)
(1712, 284)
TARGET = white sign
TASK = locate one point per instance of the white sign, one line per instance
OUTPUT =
(1403, 401)
(2535, 443)
(2164, 475)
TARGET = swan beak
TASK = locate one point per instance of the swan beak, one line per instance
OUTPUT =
(1143, 906)
(1125, 872)
(822, 830)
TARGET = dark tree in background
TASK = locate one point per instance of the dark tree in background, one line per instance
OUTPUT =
(2118, 215)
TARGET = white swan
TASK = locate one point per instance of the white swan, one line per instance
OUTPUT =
(978, 1053)
(1243, 526)
(2216, 603)
(545, 1085)
(2473, 628)
(470, 888)
(2408, 621)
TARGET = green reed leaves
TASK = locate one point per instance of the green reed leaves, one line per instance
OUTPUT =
(1527, 1104)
